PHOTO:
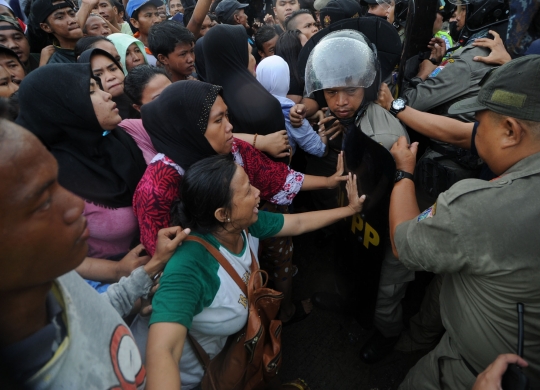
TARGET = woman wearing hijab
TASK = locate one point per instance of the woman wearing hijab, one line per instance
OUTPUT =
(96, 161)
(273, 74)
(227, 56)
(111, 74)
(189, 122)
(131, 50)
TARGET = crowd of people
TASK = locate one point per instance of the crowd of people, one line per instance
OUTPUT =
(131, 129)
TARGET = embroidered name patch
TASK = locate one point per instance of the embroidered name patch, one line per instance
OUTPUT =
(428, 213)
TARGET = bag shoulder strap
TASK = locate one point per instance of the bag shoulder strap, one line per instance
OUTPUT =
(200, 353)
(222, 260)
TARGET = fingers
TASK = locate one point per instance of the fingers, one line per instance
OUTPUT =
(339, 166)
(283, 154)
(414, 148)
(402, 142)
(137, 250)
(326, 120)
(496, 36)
(180, 236)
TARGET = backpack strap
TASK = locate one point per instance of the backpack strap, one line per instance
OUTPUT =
(222, 261)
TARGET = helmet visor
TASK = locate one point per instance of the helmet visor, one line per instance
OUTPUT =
(340, 62)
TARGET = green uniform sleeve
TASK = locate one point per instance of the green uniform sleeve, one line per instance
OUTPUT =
(268, 225)
(434, 241)
(189, 283)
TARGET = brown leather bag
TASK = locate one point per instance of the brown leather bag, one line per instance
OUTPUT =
(251, 358)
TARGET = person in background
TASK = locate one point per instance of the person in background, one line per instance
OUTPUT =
(207, 25)
(283, 9)
(58, 20)
(173, 46)
(7, 86)
(288, 47)
(175, 7)
(143, 15)
(12, 64)
(96, 42)
(273, 74)
(337, 10)
(232, 12)
(12, 36)
(374, 8)
(6, 10)
(96, 26)
(302, 20)
(131, 51)
(108, 10)
(77, 121)
(265, 41)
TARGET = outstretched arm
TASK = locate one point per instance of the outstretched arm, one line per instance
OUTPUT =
(199, 13)
(296, 224)
(433, 126)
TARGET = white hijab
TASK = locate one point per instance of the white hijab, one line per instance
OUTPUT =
(273, 74)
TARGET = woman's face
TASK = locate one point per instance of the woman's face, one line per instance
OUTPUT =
(252, 62)
(245, 200)
(7, 86)
(112, 77)
(108, 47)
(134, 57)
(219, 130)
(104, 107)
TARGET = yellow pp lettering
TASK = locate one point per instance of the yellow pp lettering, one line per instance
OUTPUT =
(370, 236)
(357, 223)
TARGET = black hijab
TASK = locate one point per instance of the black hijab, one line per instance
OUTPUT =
(123, 102)
(176, 121)
(103, 168)
(199, 60)
(252, 109)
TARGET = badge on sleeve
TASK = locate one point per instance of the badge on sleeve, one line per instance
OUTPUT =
(428, 213)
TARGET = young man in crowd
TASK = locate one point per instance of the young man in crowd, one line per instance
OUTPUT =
(174, 47)
(283, 9)
(265, 41)
(302, 20)
(109, 11)
(143, 15)
(12, 36)
(13, 65)
(374, 8)
(55, 331)
(58, 19)
(175, 7)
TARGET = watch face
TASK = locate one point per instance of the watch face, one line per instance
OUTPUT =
(398, 104)
(399, 175)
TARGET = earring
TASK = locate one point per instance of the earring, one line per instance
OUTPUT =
(228, 220)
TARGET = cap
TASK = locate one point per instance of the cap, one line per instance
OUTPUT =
(337, 10)
(226, 9)
(134, 5)
(511, 90)
(41, 9)
(13, 22)
(368, 2)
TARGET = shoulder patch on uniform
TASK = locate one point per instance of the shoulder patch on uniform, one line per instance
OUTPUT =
(427, 213)
(436, 71)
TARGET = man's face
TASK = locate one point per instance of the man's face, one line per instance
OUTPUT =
(207, 25)
(284, 8)
(16, 41)
(461, 14)
(106, 10)
(241, 18)
(63, 24)
(42, 230)
(344, 101)
(13, 66)
(175, 6)
(269, 48)
(97, 26)
(148, 16)
(377, 10)
(488, 139)
(6, 11)
(182, 60)
(306, 24)
(437, 25)
(390, 13)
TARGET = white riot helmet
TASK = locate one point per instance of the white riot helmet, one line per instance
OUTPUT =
(341, 59)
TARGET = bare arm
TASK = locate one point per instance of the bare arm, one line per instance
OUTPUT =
(305, 109)
(433, 126)
(163, 352)
(403, 204)
(199, 13)
(296, 224)
(322, 182)
(275, 144)
(86, 9)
